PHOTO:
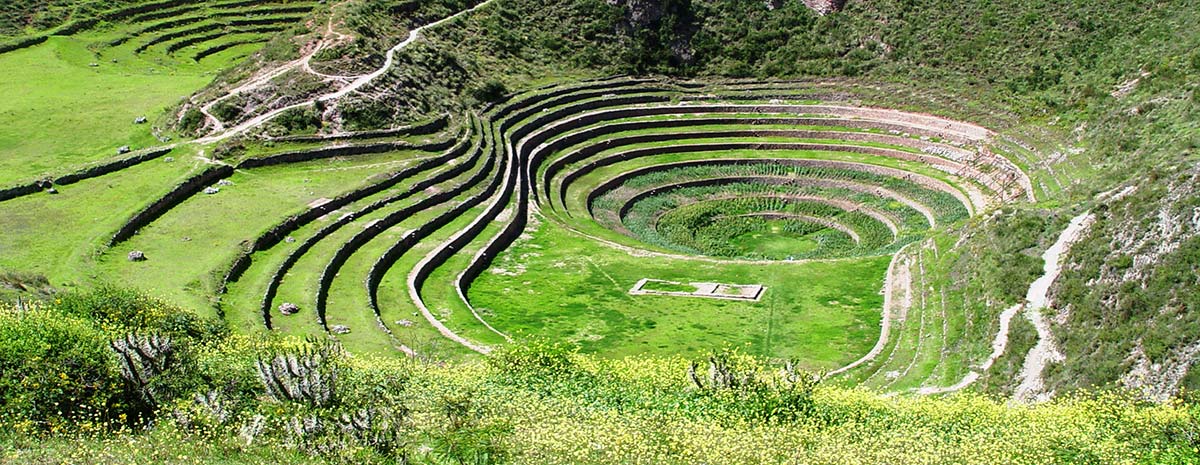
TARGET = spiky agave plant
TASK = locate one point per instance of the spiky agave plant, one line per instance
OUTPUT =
(142, 358)
(306, 376)
(722, 374)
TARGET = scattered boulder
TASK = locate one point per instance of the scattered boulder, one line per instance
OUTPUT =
(289, 239)
(93, 64)
(288, 308)
(137, 256)
(51, 191)
(339, 329)
(140, 120)
(405, 323)
(169, 159)
(224, 182)
(211, 190)
(124, 149)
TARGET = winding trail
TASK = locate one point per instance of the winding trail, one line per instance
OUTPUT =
(356, 84)
(1036, 298)
(265, 77)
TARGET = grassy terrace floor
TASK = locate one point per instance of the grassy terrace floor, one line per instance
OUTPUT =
(255, 201)
(59, 112)
(559, 285)
(578, 191)
(85, 216)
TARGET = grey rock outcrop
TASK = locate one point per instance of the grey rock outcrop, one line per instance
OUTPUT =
(824, 7)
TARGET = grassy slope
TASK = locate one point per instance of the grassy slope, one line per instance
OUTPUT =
(205, 232)
(59, 235)
(58, 112)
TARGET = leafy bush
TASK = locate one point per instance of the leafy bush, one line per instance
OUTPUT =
(56, 372)
(295, 121)
(491, 91)
(191, 121)
(122, 310)
(757, 395)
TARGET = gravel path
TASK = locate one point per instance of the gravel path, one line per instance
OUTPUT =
(356, 84)
(1038, 299)
(1035, 299)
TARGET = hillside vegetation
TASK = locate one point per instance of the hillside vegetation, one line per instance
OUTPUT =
(600, 231)
(221, 399)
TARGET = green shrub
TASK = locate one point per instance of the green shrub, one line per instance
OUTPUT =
(535, 358)
(491, 91)
(751, 390)
(56, 372)
(297, 120)
(121, 310)
(191, 121)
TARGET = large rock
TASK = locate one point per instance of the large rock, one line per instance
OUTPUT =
(124, 149)
(288, 308)
(824, 7)
(339, 329)
(137, 256)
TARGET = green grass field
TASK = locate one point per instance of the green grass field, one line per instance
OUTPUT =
(59, 112)
(560, 285)
(59, 235)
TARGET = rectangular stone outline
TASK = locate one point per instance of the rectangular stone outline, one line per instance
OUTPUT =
(703, 290)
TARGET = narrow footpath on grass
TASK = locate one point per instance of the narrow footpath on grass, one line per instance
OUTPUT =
(357, 83)
(1036, 300)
